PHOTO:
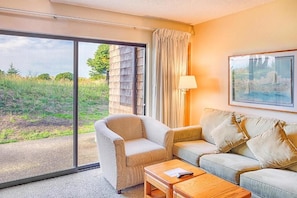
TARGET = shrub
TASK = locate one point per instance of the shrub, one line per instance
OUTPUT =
(44, 77)
(12, 71)
(2, 72)
(64, 76)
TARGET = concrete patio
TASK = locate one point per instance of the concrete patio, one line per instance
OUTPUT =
(36, 157)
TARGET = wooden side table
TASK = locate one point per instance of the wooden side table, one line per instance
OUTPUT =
(208, 185)
(157, 183)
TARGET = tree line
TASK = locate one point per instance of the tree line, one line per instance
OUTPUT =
(99, 67)
(12, 71)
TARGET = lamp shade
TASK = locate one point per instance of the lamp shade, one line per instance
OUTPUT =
(187, 82)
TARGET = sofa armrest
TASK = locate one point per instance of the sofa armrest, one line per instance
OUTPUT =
(187, 133)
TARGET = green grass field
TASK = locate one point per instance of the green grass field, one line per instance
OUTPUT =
(33, 109)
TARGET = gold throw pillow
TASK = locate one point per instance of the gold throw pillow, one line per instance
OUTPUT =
(273, 149)
(228, 134)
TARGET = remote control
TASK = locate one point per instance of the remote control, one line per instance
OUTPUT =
(180, 174)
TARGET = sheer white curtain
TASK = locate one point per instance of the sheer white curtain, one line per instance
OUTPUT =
(169, 61)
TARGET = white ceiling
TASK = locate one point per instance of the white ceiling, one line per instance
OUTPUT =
(186, 11)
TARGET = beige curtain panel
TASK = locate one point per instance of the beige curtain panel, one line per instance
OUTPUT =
(169, 61)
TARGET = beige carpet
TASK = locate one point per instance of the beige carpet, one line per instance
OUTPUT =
(86, 184)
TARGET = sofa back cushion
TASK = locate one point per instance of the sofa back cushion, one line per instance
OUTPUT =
(210, 119)
(253, 126)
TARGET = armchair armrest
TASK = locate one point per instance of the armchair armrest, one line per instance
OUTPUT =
(159, 133)
(187, 133)
(111, 151)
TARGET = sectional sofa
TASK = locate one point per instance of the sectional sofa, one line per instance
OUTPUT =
(254, 152)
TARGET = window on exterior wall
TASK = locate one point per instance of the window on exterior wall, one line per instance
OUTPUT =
(52, 90)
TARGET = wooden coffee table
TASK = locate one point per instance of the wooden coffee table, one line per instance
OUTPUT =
(158, 184)
(208, 185)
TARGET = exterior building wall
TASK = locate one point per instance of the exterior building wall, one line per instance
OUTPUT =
(140, 79)
(122, 82)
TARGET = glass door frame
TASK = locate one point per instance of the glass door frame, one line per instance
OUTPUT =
(76, 168)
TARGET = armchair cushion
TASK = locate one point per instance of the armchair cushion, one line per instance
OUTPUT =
(142, 151)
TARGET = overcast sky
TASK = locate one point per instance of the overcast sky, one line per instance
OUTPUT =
(34, 56)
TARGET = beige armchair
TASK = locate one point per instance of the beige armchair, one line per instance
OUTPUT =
(127, 143)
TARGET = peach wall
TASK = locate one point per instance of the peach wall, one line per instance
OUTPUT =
(269, 27)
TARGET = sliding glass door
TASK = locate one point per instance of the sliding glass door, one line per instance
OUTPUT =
(92, 102)
(52, 90)
(36, 91)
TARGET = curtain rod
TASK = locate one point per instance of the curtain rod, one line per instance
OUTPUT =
(55, 16)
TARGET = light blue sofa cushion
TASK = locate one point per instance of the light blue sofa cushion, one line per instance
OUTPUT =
(228, 166)
(270, 183)
(191, 151)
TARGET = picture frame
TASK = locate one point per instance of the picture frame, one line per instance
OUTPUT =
(264, 80)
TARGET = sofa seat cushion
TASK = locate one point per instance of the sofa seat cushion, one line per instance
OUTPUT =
(142, 151)
(228, 166)
(191, 151)
(272, 183)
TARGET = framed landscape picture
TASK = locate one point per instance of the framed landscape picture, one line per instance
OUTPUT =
(264, 80)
